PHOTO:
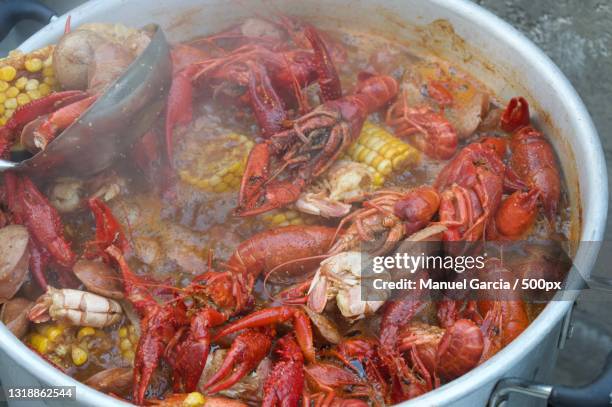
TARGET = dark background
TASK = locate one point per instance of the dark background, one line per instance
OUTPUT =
(577, 35)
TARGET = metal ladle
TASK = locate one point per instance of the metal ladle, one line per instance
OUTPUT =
(106, 131)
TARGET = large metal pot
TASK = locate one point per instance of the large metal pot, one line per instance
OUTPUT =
(500, 56)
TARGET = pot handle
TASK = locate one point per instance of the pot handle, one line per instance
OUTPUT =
(13, 11)
(595, 394)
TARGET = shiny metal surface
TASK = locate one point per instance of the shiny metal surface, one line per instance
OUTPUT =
(506, 387)
(515, 61)
(106, 130)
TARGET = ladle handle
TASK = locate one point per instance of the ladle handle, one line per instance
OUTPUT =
(7, 165)
(13, 11)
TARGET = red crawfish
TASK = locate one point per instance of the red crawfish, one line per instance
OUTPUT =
(281, 167)
(532, 157)
(427, 129)
(29, 207)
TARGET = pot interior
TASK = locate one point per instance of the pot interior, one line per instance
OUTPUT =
(454, 30)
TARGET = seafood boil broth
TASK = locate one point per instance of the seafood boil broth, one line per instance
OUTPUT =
(218, 262)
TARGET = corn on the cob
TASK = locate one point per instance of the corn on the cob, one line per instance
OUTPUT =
(25, 77)
(219, 166)
(382, 152)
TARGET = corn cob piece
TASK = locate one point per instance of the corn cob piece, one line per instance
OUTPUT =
(382, 152)
(286, 217)
(218, 165)
(23, 78)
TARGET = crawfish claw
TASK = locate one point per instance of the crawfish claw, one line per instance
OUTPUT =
(247, 350)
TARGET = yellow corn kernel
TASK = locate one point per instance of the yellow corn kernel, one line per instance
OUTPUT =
(54, 332)
(33, 64)
(362, 154)
(40, 343)
(128, 355)
(48, 71)
(123, 332)
(279, 218)
(385, 148)
(8, 113)
(7, 73)
(50, 80)
(2, 98)
(391, 152)
(378, 180)
(2, 119)
(3, 86)
(376, 161)
(228, 178)
(385, 167)
(79, 355)
(23, 99)
(377, 144)
(32, 84)
(34, 94)
(125, 344)
(10, 103)
(12, 92)
(2, 109)
(44, 89)
(214, 180)
(21, 83)
(194, 399)
(369, 157)
(221, 187)
(85, 331)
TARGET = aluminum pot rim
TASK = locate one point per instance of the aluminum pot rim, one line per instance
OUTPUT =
(592, 228)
